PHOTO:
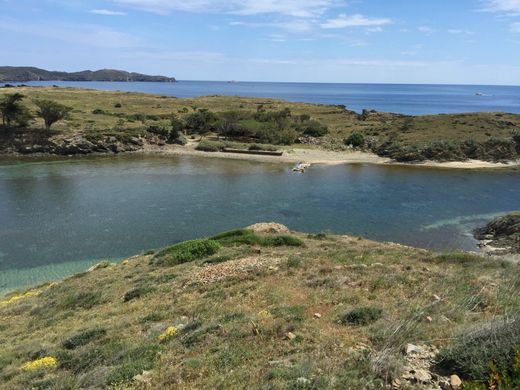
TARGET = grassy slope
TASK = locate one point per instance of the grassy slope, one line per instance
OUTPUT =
(237, 318)
(411, 130)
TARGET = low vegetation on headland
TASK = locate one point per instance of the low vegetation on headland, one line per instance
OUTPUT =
(114, 122)
(263, 307)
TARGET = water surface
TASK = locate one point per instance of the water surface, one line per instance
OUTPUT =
(59, 216)
(411, 99)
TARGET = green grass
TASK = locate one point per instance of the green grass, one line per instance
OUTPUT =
(233, 329)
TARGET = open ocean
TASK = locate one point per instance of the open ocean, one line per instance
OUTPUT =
(407, 99)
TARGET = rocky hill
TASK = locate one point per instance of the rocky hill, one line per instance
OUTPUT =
(266, 308)
(24, 74)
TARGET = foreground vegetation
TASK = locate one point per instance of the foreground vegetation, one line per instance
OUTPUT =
(266, 308)
(102, 121)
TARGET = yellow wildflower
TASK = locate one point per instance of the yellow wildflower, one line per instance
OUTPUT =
(46, 362)
(264, 313)
(15, 298)
(170, 332)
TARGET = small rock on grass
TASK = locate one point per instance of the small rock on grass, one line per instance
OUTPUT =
(455, 382)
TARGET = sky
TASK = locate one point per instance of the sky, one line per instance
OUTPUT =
(359, 41)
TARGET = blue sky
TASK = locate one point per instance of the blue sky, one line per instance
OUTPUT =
(383, 41)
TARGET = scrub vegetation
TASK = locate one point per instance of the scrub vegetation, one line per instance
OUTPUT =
(101, 119)
(246, 309)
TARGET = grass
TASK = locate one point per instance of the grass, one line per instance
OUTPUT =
(122, 115)
(233, 331)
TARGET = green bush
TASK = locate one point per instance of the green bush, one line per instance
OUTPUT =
(161, 131)
(238, 237)
(249, 237)
(495, 149)
(187, 251)
(315, 129)
(269, 148)
(471, 354)
(135, 293)
(356, 140)
(210, 146)
(282, 240)
(361, 316)
(442, 150)
(83, 338)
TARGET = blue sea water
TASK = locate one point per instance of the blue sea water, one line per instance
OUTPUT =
(400, 98)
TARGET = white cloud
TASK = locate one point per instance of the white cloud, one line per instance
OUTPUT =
(295, 8)
(344, 21)
(107, 12)
(515, 27)
(505, 6)
(425, 29)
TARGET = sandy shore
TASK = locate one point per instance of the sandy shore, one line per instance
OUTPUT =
(318, 156)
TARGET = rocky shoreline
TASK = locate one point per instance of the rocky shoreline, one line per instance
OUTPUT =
(501, 236)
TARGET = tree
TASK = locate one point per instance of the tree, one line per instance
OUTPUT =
(355, 139)
(12, 110)
(201, 122)
(51, 111)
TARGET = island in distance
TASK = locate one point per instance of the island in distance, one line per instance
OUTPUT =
(25, 73)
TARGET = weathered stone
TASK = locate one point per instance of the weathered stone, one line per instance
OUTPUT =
(455, 382)
(422, 376)
(410, 349)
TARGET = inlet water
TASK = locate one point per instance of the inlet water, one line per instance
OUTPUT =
(59, 216)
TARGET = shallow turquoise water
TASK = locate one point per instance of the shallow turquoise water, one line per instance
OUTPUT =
(59, 216)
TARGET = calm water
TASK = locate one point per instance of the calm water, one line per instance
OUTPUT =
(58, 216)
(405, 99)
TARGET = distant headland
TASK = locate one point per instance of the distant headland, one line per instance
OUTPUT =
(26, 73)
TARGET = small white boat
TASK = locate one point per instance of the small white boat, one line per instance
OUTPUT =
(479, 94)
(301, 167)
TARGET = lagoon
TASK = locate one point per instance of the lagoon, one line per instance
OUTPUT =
(59, 216)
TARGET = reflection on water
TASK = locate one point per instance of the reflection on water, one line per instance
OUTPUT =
(56, 212)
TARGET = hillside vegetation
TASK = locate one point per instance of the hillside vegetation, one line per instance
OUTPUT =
(27, 73)
(264, 308)
(100, 118)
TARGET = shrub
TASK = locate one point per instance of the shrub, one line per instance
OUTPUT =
(315, 129)
(136, 293)
(470, 355)
(495, 149)
(238, 237)
(84, 300)
(443, 150)
(282, 240)
(118, 105)
(161, 131)
(83, 338)
(269, 148)
(409, 154)
(361, 316)
(210, 146)
(51, 111)
(249, 237)
(187, 251)
(516, 140)
(98, 111)
(356, 140)
(12, 110)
